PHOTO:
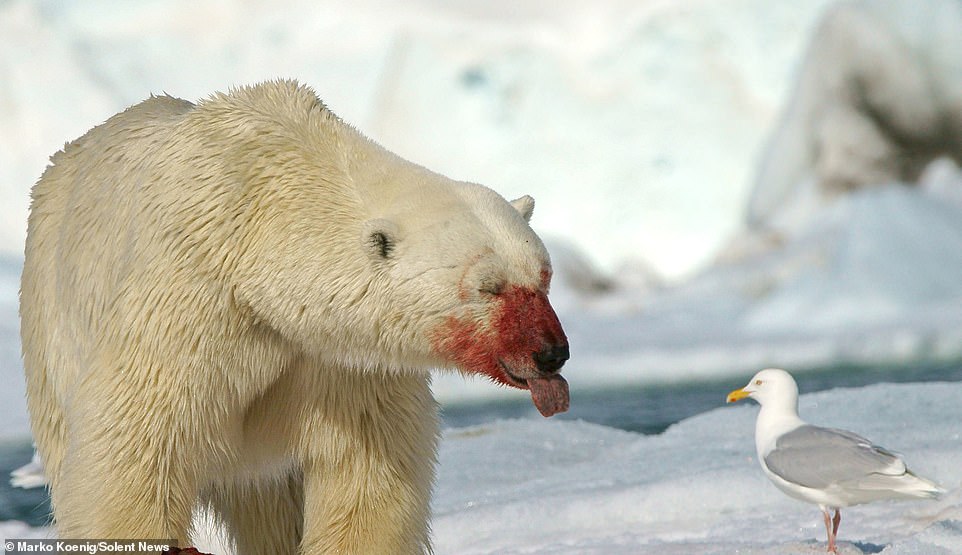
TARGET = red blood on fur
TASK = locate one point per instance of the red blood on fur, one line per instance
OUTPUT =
(521, 323)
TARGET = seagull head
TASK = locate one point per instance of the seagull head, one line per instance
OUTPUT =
(772, 388)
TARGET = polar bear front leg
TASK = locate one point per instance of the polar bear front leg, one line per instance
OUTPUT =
(356, 507)
(367, 485)
(263, 516)
(123, 480)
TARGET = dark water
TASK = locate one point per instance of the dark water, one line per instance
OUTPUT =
(650, 409)
(644, 409)
(28, 505)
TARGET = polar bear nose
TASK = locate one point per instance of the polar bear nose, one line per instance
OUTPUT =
(551, 359)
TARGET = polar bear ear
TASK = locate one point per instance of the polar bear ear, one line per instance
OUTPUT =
(379, 237)
(525, 206)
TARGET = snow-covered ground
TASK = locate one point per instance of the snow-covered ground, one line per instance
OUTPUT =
(576, 488)
(537, 486)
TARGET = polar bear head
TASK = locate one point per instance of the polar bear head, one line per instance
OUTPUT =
(470, 277)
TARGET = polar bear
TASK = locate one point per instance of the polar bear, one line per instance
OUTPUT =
(878, 97)
(237, 303)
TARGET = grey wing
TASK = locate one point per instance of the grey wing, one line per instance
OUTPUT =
(817, 457)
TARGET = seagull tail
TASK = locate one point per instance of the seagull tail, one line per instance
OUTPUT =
(916, 486)
(905, 485)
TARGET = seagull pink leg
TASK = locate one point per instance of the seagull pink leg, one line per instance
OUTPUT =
(829, 531)
(835, 522)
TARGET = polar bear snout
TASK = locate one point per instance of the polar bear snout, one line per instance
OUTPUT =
(551, 359)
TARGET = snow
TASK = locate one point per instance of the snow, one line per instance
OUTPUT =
(569, 487)
(637, 126)
(572, 487)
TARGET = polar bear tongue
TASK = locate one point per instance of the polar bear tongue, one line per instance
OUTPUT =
(550, 395)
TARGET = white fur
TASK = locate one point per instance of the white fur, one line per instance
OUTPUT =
(232, 302)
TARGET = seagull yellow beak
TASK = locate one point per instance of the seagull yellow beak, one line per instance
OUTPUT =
(737, 395)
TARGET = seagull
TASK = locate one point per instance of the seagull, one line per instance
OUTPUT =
(825, 466)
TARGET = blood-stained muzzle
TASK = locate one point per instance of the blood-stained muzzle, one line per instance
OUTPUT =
(521, 345)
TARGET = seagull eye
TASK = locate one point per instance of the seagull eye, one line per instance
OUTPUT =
(758, 382)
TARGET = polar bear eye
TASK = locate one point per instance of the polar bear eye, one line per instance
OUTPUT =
(379, 237)
(491, 286)
(381, 244)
